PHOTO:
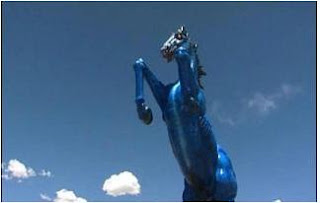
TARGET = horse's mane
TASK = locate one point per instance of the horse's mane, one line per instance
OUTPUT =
(193, 46)
(200, 68)
(201, 73)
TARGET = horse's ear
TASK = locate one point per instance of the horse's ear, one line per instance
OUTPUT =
(183, 31)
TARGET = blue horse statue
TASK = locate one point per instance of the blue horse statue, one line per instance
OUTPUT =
(207, 169)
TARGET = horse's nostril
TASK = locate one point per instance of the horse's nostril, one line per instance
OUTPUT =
(164, 48)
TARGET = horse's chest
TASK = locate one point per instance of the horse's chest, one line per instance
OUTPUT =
(183, 109)
(174, 97)
(183, 126)
(175, 108)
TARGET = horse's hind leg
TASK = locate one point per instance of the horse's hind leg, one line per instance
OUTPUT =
(226, 183)
(200, 195)
(189, 194)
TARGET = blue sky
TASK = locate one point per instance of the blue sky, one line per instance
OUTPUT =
(68, 96)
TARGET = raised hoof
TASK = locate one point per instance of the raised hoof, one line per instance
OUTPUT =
(145, 113)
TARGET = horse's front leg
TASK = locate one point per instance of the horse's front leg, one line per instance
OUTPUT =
(157, 88)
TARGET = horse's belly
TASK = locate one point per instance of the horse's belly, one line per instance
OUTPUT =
(194, 152)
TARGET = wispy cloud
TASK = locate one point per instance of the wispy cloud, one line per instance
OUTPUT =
(264, 103)
(260, 103)
(219, 114)
(67, 196)
(45, 197)
(124, 183)
(45, 173)
(226, 120)
(289, 90)
(15, 169)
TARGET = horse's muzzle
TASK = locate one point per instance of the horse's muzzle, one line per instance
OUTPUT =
(167, 53)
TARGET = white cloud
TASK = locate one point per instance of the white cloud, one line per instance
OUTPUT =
(45, 197)
(67, 196)
(277, 200)
(123, 183)
(18, 170)
(262, 103)
(44, 173)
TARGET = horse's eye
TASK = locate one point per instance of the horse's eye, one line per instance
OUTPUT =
(178, 36)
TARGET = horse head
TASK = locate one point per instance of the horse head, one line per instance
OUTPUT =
(178, 39)
(175, 41)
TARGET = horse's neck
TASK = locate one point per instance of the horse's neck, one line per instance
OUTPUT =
(194, 58)
(191, 49)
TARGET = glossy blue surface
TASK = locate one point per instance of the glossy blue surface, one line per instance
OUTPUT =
(207, 169)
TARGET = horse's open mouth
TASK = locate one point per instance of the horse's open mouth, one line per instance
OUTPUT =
(174, 41)
(167, 53)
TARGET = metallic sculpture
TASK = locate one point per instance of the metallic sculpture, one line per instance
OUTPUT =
(206, 167)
